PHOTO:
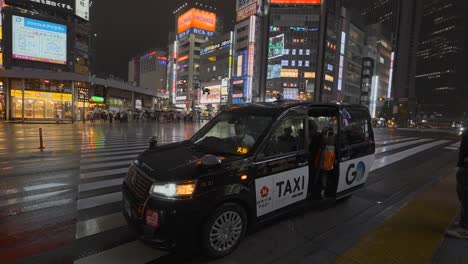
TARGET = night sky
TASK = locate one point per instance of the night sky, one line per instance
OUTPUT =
(126, 28)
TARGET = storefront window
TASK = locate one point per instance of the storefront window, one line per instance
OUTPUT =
(41, 105)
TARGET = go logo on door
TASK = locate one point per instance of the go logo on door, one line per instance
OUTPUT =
(355, 172)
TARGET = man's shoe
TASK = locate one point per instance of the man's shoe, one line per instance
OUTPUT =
(457, 232)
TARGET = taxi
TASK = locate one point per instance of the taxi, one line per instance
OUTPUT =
(248, 165)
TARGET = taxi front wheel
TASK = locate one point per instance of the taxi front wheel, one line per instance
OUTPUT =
(224, 230)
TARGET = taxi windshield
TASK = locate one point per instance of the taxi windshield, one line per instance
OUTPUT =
(232, 133)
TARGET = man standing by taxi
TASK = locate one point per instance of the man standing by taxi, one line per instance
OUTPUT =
(462, 189)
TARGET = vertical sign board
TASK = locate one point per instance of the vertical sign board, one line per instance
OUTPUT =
(82, 9)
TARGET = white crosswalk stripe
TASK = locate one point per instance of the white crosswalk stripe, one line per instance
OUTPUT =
(99, 162)
(103, 169)
(454, 147)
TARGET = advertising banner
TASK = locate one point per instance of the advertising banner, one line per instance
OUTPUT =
(37, 40)
(274, 71)
(246, 11)
(213, 98)
(65, 6)
(276, 47)
(196, 18)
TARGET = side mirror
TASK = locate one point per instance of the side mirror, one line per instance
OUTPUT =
(210, 161)
(153, 142)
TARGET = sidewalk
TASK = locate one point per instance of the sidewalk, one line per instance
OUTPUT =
(416, 234)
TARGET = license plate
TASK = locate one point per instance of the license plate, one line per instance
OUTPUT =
(128, 208)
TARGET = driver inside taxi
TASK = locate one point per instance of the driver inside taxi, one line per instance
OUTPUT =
(242, 138)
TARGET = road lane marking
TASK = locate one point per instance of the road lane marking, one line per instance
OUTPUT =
(88, 148)
(112, 153)
(99, 200)
(31, 198)
(388, 160)
(99, 185)
(133, 252)
(31, 188)
(99, 224)
(385, 142)
(105, 165)
(97, 174)
(118, 157)
(400, 145)
(452, 148)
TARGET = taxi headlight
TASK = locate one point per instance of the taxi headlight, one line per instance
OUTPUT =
(173, 190)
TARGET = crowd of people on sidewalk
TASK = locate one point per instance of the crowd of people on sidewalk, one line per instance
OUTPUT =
(146, 115)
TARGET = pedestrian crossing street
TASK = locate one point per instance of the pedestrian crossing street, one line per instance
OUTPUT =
(103, 166)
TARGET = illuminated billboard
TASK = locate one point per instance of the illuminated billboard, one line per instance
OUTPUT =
(245, 9)
(197, 21)
(214, 96)
(274, 71)
(276, 47)
(37, 40)
(296, 2)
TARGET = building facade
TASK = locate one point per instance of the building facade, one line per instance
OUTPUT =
(379, 49)
(400, 20)
(149, 70)
(354, 43)
(67, 31)
(440, 85)
(246, 85)
(292, 52)
(195, 25)
(216, 69)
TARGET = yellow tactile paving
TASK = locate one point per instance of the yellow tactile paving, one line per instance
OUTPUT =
(412, 235)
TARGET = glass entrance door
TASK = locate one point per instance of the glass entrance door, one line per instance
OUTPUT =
(39, 109)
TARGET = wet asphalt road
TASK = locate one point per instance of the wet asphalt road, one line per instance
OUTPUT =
(62, 204)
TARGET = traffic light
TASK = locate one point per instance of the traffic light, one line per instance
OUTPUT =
(381, 99)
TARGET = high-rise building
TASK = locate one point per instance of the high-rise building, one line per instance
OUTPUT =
(292, 52)
(440, 82)
(246, 85)
(379, 49)
(149, 70)
(400, 20)
(216, 70)
(352, 51)
(285, 36)
(195, 25)
(385, 12)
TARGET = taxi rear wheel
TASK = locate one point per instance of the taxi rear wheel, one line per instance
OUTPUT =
(224, 230)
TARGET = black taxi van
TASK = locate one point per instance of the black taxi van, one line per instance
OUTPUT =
(250, 164)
